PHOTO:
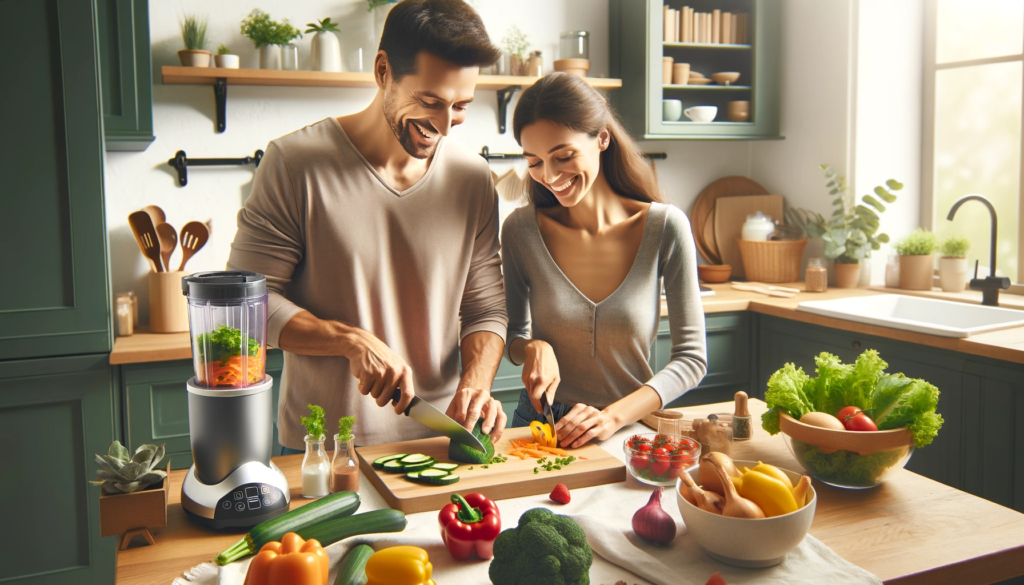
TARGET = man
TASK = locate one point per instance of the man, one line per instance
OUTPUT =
(379, 241)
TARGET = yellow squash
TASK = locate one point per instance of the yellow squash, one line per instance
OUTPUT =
(771, 495)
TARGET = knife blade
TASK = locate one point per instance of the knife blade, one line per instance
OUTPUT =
(432, 418)
(547, 412)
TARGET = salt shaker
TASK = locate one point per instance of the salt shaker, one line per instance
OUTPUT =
(741, 428)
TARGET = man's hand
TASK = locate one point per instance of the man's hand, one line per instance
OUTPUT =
(584, 423)
(471, 404)
(540, 372)
(380, 370)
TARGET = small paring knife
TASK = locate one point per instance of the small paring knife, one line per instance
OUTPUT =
(547, 412)
(432, 418)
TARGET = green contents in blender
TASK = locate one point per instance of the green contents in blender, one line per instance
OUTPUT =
(220, 352)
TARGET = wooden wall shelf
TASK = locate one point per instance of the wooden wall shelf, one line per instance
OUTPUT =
(221, 78)
(706, 46)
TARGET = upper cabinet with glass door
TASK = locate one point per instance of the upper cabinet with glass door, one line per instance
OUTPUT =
(709, 36)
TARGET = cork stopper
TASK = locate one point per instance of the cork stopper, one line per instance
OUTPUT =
(741, 404)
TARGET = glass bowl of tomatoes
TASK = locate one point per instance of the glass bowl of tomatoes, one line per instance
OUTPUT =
(658, 459)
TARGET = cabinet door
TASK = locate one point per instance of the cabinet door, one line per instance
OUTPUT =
(507, 387)
(126, 73)
(55, 299)
(55, 414)
(157, 405)
(993, 435)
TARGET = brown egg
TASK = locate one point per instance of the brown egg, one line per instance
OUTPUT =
(823, 420)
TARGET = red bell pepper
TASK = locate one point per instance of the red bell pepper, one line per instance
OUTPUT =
(470, 525)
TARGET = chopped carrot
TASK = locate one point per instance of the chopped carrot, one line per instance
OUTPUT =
(554, 450)
(517, 453)
(584, 458)
(533, 453)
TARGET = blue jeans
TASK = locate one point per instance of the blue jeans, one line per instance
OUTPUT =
(525, 413)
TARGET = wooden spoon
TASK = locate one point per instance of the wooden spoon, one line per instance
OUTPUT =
(156, 214)
(193, 237)
(168, 242)
(736, 506)
(145, 235)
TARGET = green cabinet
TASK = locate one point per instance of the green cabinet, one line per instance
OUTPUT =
(54, 416)
(637, 47)
(55, 298)
(993, 432)
(126, 73)
(156, 405)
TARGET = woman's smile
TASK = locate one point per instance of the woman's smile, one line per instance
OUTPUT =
(557, 189)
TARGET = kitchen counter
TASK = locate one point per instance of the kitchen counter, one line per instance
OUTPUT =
(1007, 345)
(910, 530)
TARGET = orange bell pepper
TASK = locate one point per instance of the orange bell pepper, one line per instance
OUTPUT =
(292, 561)
(399, 565)
(543, 434)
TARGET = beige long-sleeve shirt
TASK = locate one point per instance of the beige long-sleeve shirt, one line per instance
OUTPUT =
(419, 269)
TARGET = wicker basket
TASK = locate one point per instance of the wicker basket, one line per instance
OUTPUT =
(777, 261)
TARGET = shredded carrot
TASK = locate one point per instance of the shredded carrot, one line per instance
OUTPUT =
(533, 453)
(554, 450)
(517, 453)
(584, 458)
(229, 373)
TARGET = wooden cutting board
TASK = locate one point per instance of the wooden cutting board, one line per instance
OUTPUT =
(500, 481)
(730, 213)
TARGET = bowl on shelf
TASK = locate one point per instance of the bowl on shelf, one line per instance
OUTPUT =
(649, 465)
(714, 273)
(725, 77)
(699, 81)
(847, 459)
(745, 542)
(577, 67)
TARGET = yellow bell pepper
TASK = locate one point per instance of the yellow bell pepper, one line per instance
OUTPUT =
(543, 434)
(292, 561)
(770, 494)
(772, 471)
(399, 565)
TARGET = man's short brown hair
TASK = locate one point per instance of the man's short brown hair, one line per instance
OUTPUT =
(449, 29)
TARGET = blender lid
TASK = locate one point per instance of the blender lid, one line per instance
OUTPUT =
(224, 285)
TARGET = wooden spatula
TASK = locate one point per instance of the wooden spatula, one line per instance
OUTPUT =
(193, 237)
(168, 242)
(156, 214)
(762, 290)
(145, 235)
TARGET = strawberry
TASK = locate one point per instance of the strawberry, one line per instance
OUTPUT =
(560, 494)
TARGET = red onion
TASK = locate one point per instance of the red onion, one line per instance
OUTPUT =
(653, 523)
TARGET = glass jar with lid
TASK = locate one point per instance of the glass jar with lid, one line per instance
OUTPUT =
(816, 275)
(757, 227)
(574, 44)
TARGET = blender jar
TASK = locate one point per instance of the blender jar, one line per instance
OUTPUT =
(227, 315)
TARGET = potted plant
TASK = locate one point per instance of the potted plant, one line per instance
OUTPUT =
(917, 264)
(268, 36)
(325, 46)
(953, 263)
(851, 232)
(193, 35)
(134, 493)
(516, 44)
(224, 59)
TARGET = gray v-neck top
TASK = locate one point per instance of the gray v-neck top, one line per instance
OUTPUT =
(603, 348)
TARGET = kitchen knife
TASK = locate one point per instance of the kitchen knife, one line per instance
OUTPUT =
(434, 419)
(547, 412)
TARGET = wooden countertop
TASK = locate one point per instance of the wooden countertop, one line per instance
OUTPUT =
(1007, 345)
(910, 530)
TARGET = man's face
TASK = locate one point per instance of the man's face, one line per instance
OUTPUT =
(424, 105)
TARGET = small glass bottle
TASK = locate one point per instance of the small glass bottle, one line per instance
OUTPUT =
(535, 66)
(344, 470)
(892, 272)
(123, 310)
(816, 275)
(316, 469)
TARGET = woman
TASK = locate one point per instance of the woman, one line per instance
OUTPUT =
(582, 264)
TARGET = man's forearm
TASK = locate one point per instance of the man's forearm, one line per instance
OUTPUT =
(305, 334)
(481, 355)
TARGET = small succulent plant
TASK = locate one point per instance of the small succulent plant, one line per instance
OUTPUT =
(120, 474)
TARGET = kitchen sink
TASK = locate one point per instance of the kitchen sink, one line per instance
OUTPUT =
(931, 316)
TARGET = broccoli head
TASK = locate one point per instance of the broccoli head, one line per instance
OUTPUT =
(545, 548)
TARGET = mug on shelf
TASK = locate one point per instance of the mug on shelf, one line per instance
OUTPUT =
(680, 74)
(701, 113)
(671, 110)
(737, 111)
(666, 70)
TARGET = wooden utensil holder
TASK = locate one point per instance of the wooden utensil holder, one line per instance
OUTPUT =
(168, 308)
(137, 512)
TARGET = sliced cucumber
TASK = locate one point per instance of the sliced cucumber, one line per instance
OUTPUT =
(443, 480)
(413, 475)
(380, 461)
(446, 466)
(415, 458)
(433, 473)
(419, 466)
(393, 466)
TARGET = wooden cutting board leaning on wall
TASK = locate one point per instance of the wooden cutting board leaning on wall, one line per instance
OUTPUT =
(730, 213)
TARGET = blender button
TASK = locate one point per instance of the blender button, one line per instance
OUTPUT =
(277, 495)
(226, 505)
(266, 501)
(265, 489)
(240, 507)
(253, 503)
(238, 495)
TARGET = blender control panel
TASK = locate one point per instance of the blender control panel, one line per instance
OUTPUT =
(251, 499)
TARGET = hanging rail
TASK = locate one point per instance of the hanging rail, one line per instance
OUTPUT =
(181, 162)
(488, 155)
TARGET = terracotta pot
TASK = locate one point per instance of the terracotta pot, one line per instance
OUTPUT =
(193, 58)
(953, 274)
(916, 272)
(846, 275)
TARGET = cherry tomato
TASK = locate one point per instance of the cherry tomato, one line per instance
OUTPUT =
(660, 452)
(860, 422)
(659, 466)
(639, 462)
(673, 472)
(643, 448)
(847, 412)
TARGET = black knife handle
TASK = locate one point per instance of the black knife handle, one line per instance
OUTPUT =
(397, 397)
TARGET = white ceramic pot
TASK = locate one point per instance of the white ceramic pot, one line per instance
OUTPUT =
(193, 58)
(326, 52)
(226, 61)
(270, 57)
(953, 274)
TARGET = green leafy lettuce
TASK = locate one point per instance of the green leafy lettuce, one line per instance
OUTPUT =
(224, 343)
(892, 400)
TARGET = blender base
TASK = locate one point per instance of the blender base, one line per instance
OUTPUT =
(249, 495)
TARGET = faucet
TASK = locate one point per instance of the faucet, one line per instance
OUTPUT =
(991, 284)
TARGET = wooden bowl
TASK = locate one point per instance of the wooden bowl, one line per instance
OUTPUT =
(699, 81)
(830, 440)
(577, 67)
(714, 274)
(725, 77)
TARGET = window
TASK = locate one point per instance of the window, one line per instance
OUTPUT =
(974, 65)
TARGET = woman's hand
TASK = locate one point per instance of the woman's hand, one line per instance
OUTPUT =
(583, 424)
(540, 372)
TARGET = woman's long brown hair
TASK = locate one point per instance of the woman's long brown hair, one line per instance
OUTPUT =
(568, 101)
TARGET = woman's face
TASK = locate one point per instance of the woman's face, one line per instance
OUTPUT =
(567, 163)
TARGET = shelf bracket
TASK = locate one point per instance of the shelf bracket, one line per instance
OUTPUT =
(181, 162)
(220, 95)
(504, 97)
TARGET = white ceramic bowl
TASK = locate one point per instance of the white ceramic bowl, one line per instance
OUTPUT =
(745, 542)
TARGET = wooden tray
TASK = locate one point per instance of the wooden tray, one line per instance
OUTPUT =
(500, 481)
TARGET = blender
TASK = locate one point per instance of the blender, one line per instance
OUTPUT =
(232, 482)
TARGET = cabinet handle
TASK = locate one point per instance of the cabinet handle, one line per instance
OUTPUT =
(856, 345)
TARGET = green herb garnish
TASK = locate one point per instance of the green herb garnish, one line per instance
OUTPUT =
(224, 343)
(345, 428)
(314, 423)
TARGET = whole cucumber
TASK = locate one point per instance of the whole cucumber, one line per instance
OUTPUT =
(352, 570)
(374, 522)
